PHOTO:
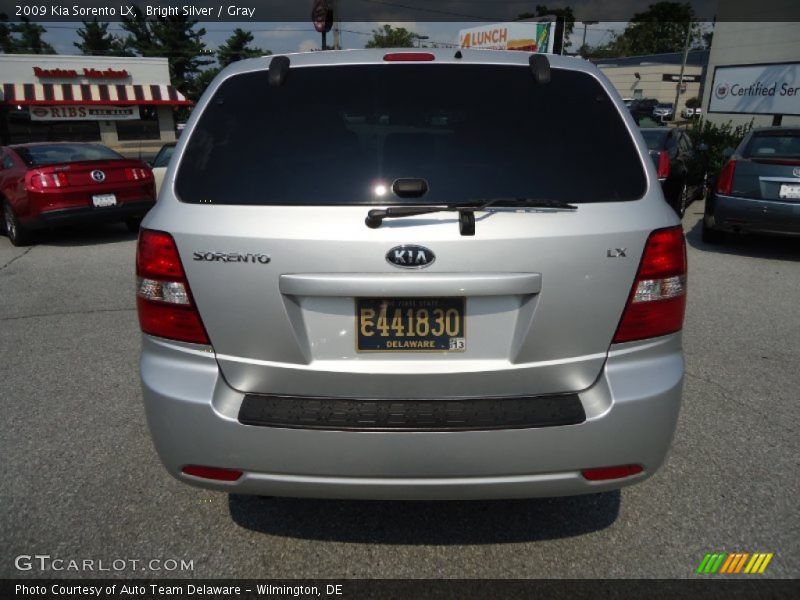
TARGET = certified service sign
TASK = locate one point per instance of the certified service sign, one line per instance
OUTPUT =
(765, 89)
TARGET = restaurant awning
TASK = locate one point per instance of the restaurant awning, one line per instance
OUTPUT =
(74, 93)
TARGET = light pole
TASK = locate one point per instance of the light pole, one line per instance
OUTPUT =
(683, 68)
(585, 25)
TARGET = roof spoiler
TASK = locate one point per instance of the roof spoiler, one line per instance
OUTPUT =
(540, 67)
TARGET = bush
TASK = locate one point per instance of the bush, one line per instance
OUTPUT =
(693, 102)
(717, 138)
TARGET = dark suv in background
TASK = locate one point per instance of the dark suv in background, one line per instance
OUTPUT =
(643, 107)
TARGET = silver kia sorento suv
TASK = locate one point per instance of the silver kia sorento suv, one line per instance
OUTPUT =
(411, 275)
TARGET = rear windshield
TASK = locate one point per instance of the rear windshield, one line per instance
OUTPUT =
(774, 145)
(343, 135)
(654, 138)
(50, 154)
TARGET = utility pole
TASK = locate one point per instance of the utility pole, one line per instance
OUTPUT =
(585, 25)
(683, 68)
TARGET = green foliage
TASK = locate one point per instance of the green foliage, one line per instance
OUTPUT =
(693, 102)
(96, 41)
(23, 38)
(6, 41)
(174, 37)
(718, 138)
(236, 48)
(391, 37)
(658, 30)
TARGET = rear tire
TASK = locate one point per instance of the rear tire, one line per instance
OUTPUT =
(17, 233)
(711, 235)
(133, 224)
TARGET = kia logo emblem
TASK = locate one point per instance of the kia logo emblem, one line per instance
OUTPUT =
(722, 90)
(98, 176)
(410, 257)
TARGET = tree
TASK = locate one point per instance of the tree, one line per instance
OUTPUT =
(391, 37)
(236, 48)
(563, 13)
(98, 42)
(175, 38)
(204, 78)
(693, 102)
(30, 38)
(6, 41)
(659, 29)
(140, 39)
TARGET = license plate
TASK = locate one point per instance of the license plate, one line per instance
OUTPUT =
(790, 191)
(410, 325)
(101, 200)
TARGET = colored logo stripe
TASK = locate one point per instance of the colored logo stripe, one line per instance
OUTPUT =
(722, 562)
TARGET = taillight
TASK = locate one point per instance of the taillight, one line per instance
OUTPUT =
(137, 173)
(663, 164)
(37, 181)
(657, 302)
(725, 179)
(163, 297)
(408, 57)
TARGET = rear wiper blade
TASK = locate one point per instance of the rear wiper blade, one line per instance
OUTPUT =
(466, 210)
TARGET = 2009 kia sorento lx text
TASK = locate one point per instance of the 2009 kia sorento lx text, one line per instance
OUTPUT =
(411, 275)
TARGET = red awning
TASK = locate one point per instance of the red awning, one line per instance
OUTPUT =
(90, 93)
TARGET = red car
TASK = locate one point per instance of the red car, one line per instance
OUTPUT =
(49, 184)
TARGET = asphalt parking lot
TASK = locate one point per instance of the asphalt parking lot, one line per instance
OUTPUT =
(80, 478)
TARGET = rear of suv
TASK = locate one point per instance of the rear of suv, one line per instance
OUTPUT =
(411, 275)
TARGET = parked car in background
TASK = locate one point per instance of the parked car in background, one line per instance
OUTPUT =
(678, 164)
(642, 107)
(691, 113)
(382, 293)
(627, 102)
(663, 111)
(58, 183)
(160, 163)
(758, 188)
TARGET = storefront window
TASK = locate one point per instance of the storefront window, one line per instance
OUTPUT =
(19, 128)
(145, 128)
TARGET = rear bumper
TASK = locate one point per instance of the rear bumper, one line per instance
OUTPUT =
(732, 213)
(90, 214)
(631, 413)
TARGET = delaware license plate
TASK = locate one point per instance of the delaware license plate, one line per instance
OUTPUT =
(101, 200)
(410, 324)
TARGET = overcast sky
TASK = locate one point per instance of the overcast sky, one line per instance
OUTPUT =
(296, 36)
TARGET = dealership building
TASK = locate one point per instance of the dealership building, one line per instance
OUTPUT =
(113, 100)
(754, 66)
(657, 76)
(749, 79)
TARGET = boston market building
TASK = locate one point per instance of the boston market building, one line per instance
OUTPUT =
(114, 100)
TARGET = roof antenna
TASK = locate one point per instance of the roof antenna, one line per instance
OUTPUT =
(458, 54)
(540, 67)
(278, 69)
